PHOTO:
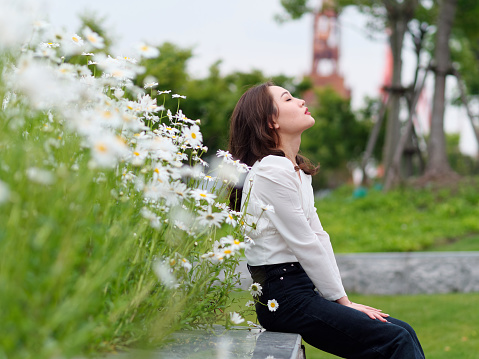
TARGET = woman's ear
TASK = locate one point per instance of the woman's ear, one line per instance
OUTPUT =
(274, 125)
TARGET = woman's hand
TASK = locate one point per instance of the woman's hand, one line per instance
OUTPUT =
(372, 313)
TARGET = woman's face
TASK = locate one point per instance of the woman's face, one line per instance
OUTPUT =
(293, 116)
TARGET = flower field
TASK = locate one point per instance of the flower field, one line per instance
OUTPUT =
(114, 232)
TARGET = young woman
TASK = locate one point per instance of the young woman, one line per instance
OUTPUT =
(292, 258)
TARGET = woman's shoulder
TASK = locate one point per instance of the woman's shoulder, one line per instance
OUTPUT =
(273, 162)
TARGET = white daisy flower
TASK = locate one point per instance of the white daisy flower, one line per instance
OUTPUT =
(237, 245)
(235, 318)
(225, 155)
(147, 104)
(208, 218)
(256, 328)
(186, 264)
(231, 220)
(164, 274)
(267, 207)
(227, 252)
(138, 156)
(152, 217)
(200, 194)
(76, 40)
(193, 135)
(93, 38)
(107, 149)
(272, 305)
(127, 59)
(146, 51)
(249, 304)
(178, 96)
(150, 85)
(248, 240)
(228, 173)
(255, 289)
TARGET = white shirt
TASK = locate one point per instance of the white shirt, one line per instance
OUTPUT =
(291, 232)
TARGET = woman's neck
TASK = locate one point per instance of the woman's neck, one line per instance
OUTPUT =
(290, 149)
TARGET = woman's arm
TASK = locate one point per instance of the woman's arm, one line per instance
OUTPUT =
(323, 237)
(279, 188)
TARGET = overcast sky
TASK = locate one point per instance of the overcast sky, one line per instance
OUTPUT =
(244, 35)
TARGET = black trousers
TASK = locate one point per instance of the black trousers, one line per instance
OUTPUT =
(327, 325)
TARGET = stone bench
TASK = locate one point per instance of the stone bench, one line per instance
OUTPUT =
(238, 343)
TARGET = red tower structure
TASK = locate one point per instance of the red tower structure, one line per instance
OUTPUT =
(326, 41)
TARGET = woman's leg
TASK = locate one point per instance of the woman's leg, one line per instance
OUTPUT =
(329, 326)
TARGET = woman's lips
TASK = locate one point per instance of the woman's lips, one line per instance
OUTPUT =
(307, 112)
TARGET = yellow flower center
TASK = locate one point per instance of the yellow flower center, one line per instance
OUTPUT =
(101, 147)
(92, 38)
(273, 305)
(193, 135)
(156, 170)
(203, 195)
(144, 48)
(227, 251)
(236, 241)
(136, 153)
(76, 39)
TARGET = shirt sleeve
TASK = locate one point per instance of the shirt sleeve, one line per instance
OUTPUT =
(279, 187)
(323, 237)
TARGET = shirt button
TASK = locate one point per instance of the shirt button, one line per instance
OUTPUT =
(281, 278)
(292, 265)
(284, 269)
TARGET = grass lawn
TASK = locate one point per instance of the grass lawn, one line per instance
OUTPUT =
(446, 324)
(404, 219)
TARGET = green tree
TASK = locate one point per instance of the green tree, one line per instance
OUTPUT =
(169, 69)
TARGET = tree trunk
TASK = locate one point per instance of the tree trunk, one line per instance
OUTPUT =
(393, 126)
(438, 164)
(399, 13)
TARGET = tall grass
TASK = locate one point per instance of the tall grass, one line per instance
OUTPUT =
(108, 230)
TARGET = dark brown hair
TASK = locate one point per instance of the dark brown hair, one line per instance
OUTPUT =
(252, 132)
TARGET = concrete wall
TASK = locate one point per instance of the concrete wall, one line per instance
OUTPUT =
(403, 273)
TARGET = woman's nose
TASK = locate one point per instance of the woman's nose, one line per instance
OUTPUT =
(302, 102)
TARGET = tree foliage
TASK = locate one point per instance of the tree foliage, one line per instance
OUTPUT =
(337, 138)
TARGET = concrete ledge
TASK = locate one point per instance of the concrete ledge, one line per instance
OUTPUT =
(403, 273)
(410, 273)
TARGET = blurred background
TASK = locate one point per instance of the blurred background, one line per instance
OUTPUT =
(211, 51)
